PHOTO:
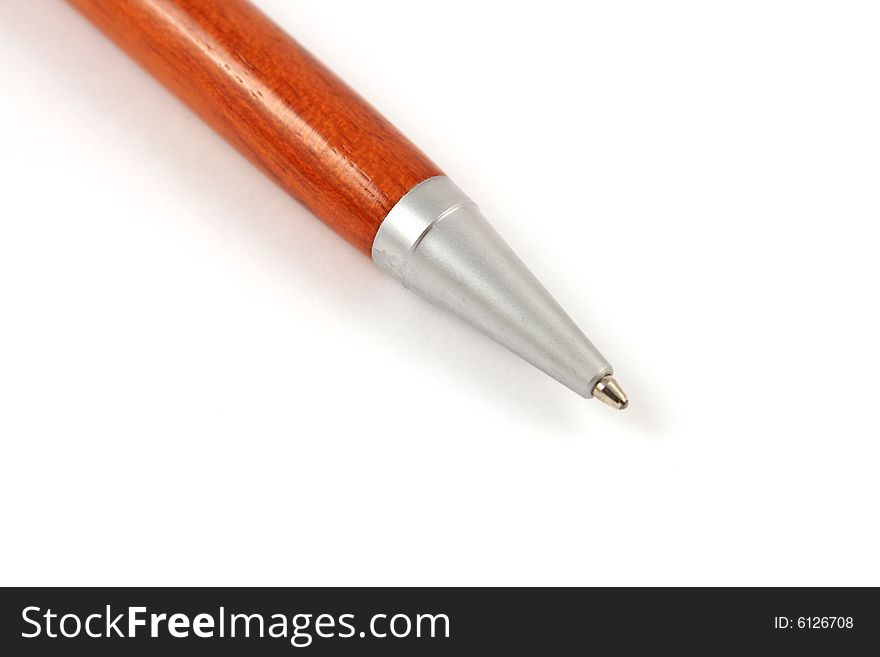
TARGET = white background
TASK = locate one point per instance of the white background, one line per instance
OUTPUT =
(201, 384)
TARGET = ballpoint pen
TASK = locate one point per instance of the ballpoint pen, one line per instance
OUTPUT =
(339, 157)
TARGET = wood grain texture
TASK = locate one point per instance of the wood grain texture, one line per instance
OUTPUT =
(274, 102)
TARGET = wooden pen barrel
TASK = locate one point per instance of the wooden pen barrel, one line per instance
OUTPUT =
(274, 102)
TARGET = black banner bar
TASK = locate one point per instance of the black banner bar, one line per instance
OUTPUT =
(420, 621)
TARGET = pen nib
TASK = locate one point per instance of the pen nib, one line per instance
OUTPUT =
(608, 390)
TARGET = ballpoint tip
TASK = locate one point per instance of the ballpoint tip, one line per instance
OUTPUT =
(608, 391)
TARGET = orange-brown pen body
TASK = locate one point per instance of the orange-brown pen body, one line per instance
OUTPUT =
(274, 102)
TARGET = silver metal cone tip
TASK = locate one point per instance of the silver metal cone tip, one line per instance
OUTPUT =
(608, 390)
(438, 244)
